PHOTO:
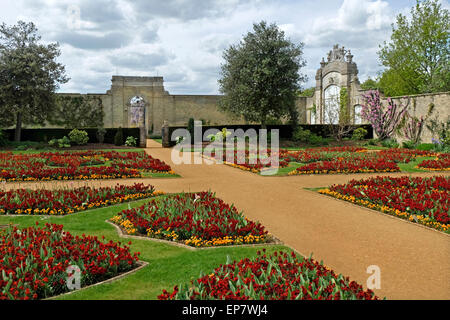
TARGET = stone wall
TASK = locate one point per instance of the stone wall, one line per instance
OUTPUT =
(161, 106)
(419, 106)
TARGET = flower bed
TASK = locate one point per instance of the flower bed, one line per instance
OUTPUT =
(441, 163)
(246, 161)
(33, 261)
(342, 165)
(422, 200)
(198, 220)
(61, 202)
(78, 166)
(280, 276)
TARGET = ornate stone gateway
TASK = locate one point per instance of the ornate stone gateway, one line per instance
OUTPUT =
(339, 71)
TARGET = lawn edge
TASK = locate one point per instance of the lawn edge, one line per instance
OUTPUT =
(275, 242)
(141, 265)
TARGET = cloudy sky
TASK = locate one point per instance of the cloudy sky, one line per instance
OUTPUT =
(183, 40)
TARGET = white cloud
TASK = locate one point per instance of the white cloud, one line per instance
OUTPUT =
(183, 40)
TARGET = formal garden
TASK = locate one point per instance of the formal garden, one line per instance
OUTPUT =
(83, 217)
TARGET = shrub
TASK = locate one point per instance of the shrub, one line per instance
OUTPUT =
(3, 139)
(409, 144)
(390, 143)
(60, 143)
(317, 140)
(79, 137)
(301, 135)
(101, 132)
(118, 138)
(131, 142)
(359, 134)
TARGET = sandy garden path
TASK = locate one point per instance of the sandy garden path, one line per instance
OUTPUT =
(414, 261)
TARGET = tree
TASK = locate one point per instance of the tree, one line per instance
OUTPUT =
(29, 76)
(370, 84)
(260, 78)
(339, 119)
(77, 112)
(417, 56)
(385, 120)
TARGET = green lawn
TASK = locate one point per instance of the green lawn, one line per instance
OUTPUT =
(168, 265)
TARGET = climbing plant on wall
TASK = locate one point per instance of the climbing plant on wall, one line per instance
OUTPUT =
(78, 112)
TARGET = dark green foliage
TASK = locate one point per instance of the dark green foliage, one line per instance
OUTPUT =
(3, 139)
(101, 134)
(260, 78)
(118, 138)
(409, 144)
(29, 76)
(390, 143)
(78, 112)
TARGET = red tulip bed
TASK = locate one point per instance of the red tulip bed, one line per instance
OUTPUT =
(193, 219)
(279, 276)
(441, 163)
(323, 161)
(422, 200)
(247, 161)
(34, 261)
(66, 201)
(329, 160)
(78, 166)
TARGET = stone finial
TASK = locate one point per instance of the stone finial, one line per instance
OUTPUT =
(349, 57)
(322, 63)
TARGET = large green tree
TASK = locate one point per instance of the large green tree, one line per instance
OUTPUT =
(260, 78)
(29, 76)
(417, 56)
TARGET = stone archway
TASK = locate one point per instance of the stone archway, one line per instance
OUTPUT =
(331, 104)
(137, 118)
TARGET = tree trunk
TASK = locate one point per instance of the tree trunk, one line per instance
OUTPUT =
(18, 131)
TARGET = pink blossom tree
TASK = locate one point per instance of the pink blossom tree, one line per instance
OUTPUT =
(384, 119)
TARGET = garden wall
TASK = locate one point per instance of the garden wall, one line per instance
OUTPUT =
(419, 106)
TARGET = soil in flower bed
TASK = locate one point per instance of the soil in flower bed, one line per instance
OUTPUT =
(422, 200)
(193, 219)
(34, 261)
(78, 165)
(279, 276)
(67, 201)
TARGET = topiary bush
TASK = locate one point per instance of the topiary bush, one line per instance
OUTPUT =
(118, 138)
(101, 132)
(78, 137)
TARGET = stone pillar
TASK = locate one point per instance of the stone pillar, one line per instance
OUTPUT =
(165, 135)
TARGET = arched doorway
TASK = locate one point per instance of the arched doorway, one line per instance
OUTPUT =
(331, 105)
(358, 118)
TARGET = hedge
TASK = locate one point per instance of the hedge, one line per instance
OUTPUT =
(45, 135)
(286, 131)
